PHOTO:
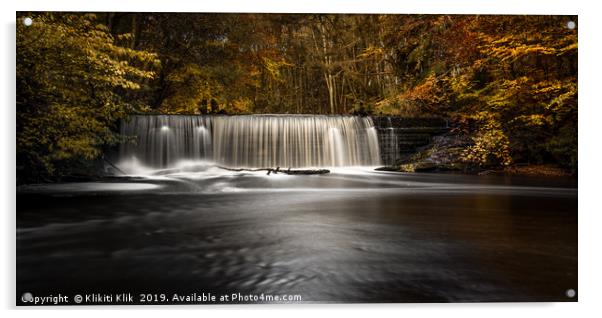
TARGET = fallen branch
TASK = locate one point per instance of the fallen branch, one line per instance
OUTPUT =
(114, 166)
(277, 170)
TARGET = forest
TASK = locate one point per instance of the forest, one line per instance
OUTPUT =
(509, 83)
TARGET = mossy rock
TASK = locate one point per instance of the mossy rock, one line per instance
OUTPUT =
(418, 167)
(430, 167)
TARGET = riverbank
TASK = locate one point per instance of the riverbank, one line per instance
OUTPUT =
(536, 170)
(444, 154)
(544, 170)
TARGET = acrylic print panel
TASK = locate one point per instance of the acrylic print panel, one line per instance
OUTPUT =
(196, 158)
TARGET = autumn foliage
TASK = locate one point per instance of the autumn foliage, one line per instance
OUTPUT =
(507, 82)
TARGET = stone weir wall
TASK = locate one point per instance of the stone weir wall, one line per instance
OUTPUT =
(401, 137)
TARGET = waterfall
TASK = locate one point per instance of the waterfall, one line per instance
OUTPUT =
(251, 141)
(393, 154)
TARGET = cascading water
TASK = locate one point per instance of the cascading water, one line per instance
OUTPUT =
(251, 141)
(161, 141)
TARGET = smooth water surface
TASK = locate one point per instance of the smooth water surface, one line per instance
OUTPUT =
(353, 235)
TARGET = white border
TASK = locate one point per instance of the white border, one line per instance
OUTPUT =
(319, 6)
(590, 117)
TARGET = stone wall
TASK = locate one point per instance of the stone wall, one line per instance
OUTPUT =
(400, 137)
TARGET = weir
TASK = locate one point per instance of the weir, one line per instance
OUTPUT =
(251, 141)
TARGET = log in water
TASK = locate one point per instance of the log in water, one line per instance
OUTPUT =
(252, 141)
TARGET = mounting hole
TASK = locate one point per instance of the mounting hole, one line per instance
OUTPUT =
(571, 25)
(27, 21)
(570, 293)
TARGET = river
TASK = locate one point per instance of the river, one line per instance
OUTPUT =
(353, 235)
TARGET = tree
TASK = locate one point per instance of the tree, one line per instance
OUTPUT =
(72, 83)
(508, 82)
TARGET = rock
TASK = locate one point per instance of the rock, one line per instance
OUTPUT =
(485, 172)
(387, 168)
(443, 154)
